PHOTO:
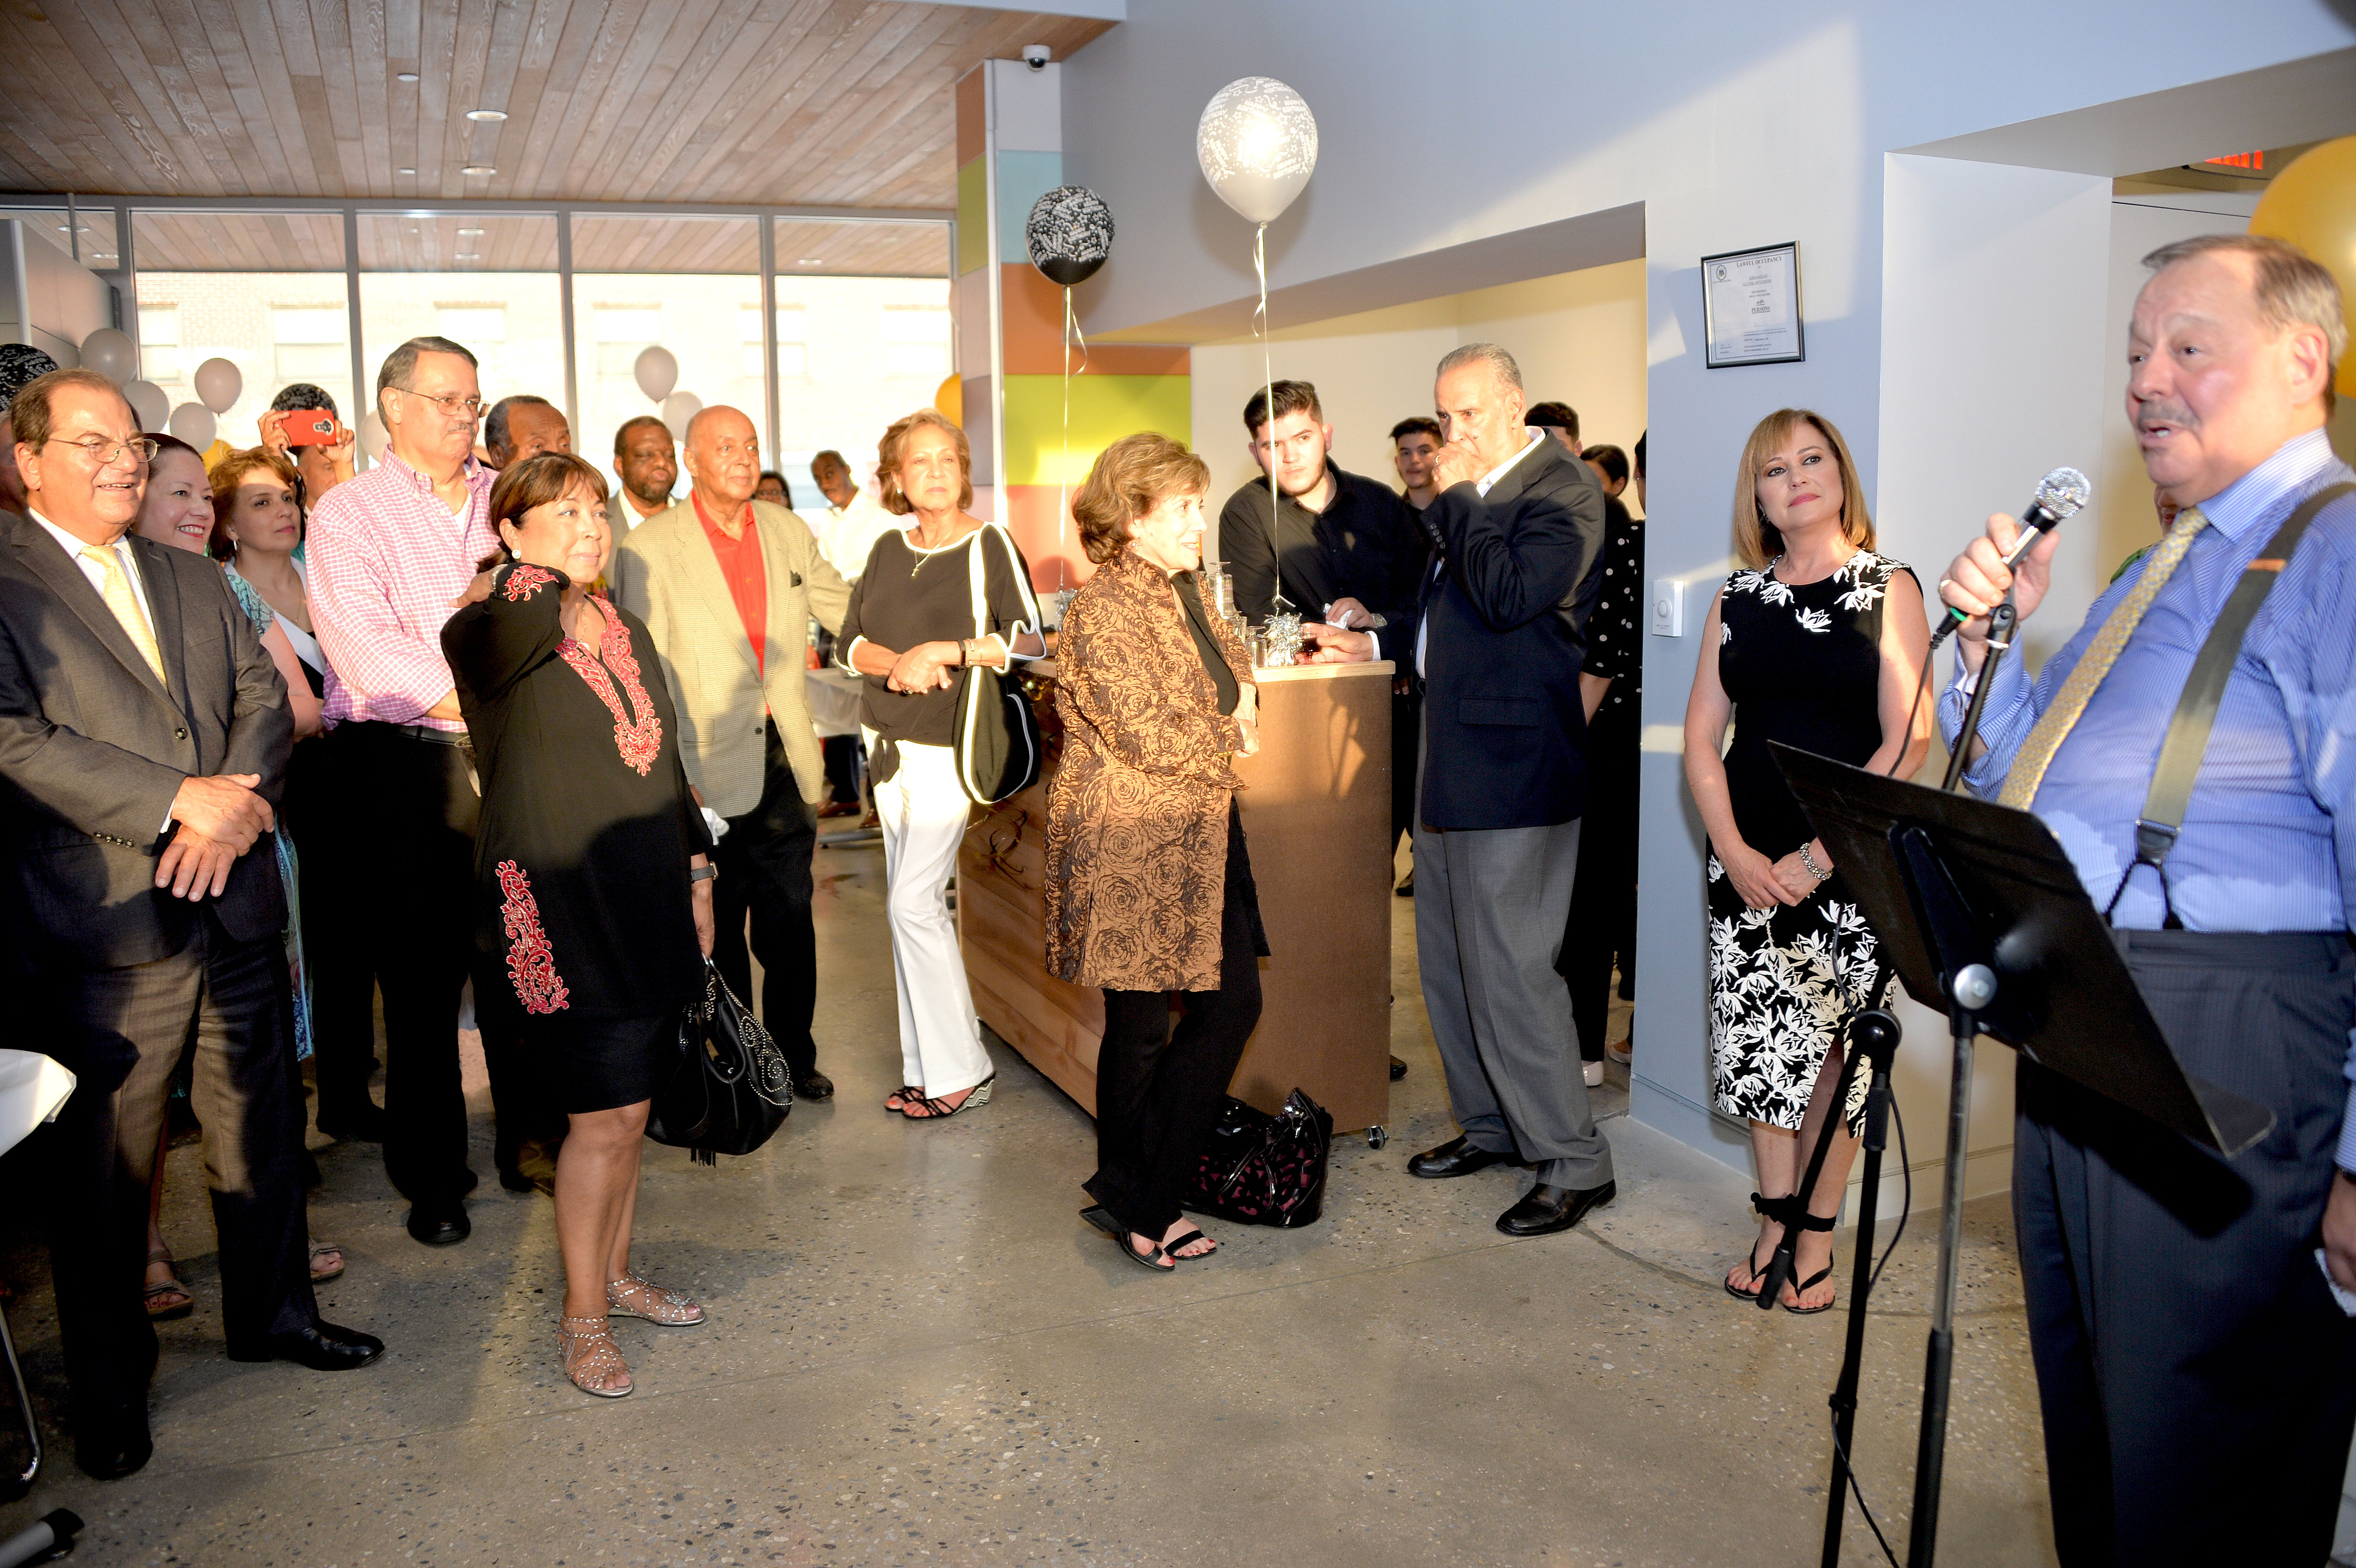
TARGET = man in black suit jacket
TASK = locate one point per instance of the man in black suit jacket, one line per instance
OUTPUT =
(144, 742)
(1517, 531)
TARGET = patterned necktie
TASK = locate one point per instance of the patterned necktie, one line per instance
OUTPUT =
(2054, 726)
(115, 589)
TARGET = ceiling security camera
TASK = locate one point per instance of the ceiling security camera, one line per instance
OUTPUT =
(1035, 56)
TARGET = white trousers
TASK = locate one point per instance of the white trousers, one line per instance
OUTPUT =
(925, 812)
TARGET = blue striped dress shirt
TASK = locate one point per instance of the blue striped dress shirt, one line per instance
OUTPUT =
(2269, 840)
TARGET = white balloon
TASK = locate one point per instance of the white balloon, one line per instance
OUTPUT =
(194, 423)
(374, 437)
(218, 383)
(678, 410)
(148, 404)
(1257, 145)
(112, 354)
(658, 371)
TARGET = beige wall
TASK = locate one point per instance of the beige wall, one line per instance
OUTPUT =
(1580, 337)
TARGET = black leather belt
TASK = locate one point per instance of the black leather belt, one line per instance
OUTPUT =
(427, 733)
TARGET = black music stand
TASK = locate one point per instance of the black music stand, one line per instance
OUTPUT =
(1984, 920)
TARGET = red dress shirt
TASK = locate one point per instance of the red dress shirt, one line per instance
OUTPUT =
(748, 580)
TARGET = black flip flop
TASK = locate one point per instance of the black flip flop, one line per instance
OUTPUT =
(1169, 1248)
(1806, 1285)
(1152, 1257)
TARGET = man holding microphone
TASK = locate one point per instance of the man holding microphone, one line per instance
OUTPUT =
(2197, 1378)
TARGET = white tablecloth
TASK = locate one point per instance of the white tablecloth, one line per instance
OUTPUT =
(834, 699)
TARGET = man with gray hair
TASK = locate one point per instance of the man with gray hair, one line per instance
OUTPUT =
(1518, 532)
(2197, 1378)
(391, 552)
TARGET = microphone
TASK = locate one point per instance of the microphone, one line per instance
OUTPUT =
(2059, 494)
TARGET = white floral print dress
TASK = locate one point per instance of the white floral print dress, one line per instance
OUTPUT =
(1802, 664)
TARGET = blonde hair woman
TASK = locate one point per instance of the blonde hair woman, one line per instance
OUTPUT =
(1817, 643)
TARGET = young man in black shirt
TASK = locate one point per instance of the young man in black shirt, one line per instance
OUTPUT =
(1329, 547)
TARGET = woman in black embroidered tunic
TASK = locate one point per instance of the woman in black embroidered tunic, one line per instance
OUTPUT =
(591, 868)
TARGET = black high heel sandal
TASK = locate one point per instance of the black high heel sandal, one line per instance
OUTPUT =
(1151, 1258)
(1815, 1223)
(1773, 1209)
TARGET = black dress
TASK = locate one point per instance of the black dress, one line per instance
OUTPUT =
(584, 920)
(1803, 665)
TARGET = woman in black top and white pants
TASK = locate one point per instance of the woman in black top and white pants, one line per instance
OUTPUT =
(911, 630)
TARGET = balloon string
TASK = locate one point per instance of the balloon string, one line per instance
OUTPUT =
(1268, 380)
(1063, 468)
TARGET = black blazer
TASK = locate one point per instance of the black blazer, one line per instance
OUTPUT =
(92, 749)
(1505, 626)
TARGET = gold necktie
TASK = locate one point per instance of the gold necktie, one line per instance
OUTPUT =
(115, 589)
(2054, 726)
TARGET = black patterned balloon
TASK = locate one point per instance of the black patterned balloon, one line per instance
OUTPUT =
(1069, 233)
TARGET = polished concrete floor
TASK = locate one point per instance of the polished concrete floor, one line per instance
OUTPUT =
(917, 1354)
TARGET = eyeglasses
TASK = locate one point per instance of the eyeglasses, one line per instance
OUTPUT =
(449, 405)
(102, 452)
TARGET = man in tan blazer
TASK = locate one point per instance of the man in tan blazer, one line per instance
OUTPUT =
(728, 586)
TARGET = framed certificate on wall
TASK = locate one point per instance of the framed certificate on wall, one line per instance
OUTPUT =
(1751, 306)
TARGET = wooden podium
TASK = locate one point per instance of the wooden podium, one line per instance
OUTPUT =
(1317, 817)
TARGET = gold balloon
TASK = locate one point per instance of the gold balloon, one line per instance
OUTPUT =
(950, 399)
(2312, 204)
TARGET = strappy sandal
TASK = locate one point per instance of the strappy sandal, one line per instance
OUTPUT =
(1152, 1258)
(899, 1099)
(1813, 1222)
(156, 1299)
(592, 1361)
(630, 1297)
(320, 1249)
(1169, 1248)
(1776, 1209)
(941, 1109)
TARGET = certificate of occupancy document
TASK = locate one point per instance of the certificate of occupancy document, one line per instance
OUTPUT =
(1753, 299)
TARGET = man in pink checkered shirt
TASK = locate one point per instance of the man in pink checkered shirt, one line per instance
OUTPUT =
(389, 553)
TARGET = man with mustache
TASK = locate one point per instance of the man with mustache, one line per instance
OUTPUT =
(2198, 1380)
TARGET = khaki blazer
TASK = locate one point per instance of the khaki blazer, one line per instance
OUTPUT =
(665, 573)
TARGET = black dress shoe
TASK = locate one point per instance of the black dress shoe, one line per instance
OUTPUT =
(440, 1227)
(817, 1085)
(320, 1345)
(1545, 1209)
(1406, 890)
(1398, 1070)
(111, 1449)
(1455, 1158)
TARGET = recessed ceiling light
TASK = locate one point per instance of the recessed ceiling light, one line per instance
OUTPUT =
(477, 171)
(405, 76)
(470, 231)
(101, 255)
(487, 116)
(408, 171)
(468, 256)
(810, 261)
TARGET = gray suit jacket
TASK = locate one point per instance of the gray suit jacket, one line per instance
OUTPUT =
(92, 749)
(666, 575)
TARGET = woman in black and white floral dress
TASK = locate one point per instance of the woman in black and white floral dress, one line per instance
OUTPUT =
(1817, 644)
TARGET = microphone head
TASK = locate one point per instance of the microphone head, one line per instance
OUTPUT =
(2063, 492)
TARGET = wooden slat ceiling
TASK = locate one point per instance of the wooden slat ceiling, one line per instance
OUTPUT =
(818, 102)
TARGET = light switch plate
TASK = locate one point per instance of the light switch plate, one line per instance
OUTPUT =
(1668, 607)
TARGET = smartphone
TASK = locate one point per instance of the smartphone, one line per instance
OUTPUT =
(313, 427)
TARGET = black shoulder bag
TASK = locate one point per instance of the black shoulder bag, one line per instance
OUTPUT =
(2196, 707)
(997, 738)
(732, 1089)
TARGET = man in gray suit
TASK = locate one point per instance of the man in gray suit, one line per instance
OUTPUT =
(144, 742)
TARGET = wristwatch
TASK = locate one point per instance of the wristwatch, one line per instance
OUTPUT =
(701, 873)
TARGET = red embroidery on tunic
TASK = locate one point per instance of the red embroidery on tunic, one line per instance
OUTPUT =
(640, 740)
(526, 580)
(531, 964)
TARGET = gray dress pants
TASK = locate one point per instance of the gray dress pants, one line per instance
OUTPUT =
(1488, 913)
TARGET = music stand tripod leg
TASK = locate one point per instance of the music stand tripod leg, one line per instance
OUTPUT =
(1873, 1037)
(1972, 989)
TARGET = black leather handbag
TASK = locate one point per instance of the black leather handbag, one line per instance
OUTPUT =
(732, 1089)
(1259, 1170)
(997, 735)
